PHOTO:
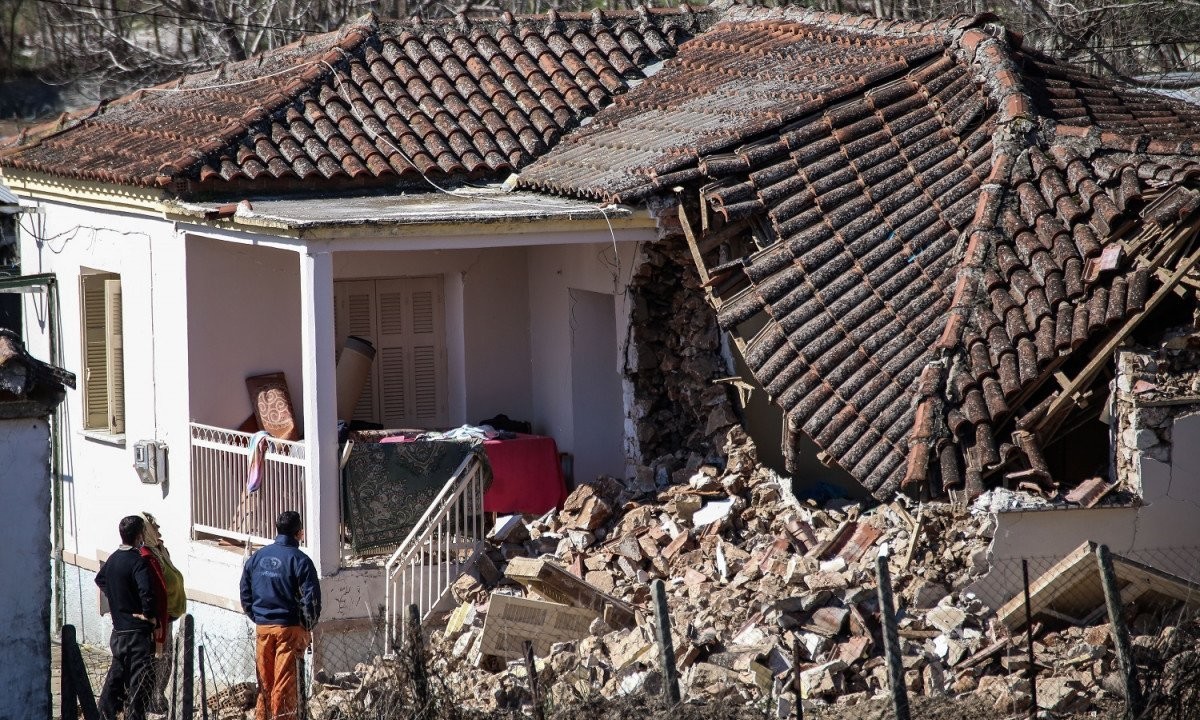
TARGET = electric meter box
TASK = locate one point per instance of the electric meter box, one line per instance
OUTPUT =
(150, 461)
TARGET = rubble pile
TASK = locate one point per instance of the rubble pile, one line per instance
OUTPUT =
(673, 358)
(756, 582)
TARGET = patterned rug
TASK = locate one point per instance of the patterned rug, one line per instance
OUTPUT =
(389, 486)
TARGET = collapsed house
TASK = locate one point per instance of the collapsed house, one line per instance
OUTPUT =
(923, 243)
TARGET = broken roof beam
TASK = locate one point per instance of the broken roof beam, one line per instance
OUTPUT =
(1065, 400)
(1071, 587)
(693, 246)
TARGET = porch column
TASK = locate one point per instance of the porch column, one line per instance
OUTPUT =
(320, 408)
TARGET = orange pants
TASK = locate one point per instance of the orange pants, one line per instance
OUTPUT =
(278, 650)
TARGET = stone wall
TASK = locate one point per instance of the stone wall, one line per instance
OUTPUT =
(680, 417)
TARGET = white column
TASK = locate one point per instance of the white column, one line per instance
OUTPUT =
(320, 408)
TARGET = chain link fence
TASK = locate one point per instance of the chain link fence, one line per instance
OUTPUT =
(1092, 633)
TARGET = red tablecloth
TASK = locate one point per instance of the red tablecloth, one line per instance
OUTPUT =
(526, 475)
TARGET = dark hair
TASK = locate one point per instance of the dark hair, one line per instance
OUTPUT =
(288, 523)
(131, 526)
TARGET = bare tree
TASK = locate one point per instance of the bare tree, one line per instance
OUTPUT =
(109, 46)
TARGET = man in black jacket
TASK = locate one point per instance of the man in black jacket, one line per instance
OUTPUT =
(282, 595)
(126, 580)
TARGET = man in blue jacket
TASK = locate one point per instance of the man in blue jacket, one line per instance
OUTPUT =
(281, 594)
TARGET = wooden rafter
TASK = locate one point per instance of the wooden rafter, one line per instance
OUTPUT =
(1066, 399)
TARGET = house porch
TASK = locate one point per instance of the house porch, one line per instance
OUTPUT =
(531, 325)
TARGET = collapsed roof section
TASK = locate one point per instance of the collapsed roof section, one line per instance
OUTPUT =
(909, 258)
(371, 104)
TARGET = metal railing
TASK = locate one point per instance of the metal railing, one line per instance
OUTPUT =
(441, 546)
(221, 506)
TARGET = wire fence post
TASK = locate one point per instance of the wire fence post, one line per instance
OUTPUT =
(1112, 599)
(203, 684)
(796, 684)
(665, 646)
(76, 686)
(173, 709)
(417, 656)
(1031, 671)
(891, 637)
(69, 704)
(535, 692)
(188, 682)
(301, 690)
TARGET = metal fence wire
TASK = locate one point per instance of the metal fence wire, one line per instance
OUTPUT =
(1086, 634)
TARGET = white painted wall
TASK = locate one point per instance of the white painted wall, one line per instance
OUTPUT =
(243, 319)
(201, 314)
(553, 272)
(100, 486)
(25, 594)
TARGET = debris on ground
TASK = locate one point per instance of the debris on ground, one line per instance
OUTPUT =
(756, 581)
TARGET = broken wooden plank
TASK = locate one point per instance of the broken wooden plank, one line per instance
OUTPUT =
(697, 257)
(917, 527)
(985, 654)
(554, 583)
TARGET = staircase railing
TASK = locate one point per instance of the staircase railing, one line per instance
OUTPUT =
(441, 546)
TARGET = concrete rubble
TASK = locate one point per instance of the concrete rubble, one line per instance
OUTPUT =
(757, 581)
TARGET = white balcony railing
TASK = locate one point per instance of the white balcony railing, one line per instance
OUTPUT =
(221, 506)
(441, 546)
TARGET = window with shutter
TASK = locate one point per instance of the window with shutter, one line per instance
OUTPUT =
(404, 319)
(103, 352)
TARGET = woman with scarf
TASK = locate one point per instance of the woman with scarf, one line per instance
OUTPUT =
(171, 603)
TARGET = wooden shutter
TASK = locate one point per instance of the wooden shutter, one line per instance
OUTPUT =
(428, 353)
(412, 355)
(355, 314)
(95, 352)
(115, 345)
(394, 374)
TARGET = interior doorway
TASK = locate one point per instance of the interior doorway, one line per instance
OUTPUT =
(597, 415)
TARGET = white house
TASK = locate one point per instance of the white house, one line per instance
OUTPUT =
(922, 242)
(480, 301)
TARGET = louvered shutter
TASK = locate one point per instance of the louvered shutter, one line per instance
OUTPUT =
(115, 346)
(428, 346)
(394, 374)
(355, 314)
(412, 357)
(95, 352)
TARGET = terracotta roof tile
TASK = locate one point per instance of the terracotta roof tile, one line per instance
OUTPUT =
(937, 194)
(877, 202)
(374, 103)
